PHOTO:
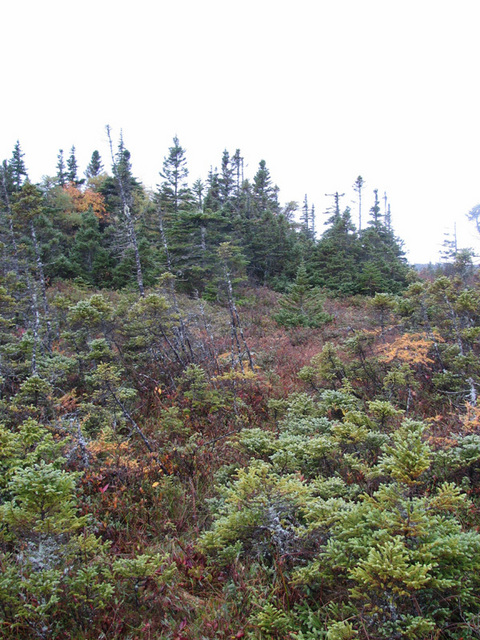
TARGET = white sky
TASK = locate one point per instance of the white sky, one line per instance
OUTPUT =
(323, 90)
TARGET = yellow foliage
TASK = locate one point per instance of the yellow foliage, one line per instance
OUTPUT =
(409, 348)
(83, 200)
(471, 420)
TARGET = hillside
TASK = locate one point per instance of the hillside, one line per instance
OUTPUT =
(217, 425)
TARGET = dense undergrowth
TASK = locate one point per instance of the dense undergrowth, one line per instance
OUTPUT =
(181, 469)
(184, 458)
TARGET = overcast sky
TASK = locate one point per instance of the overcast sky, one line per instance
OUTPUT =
(321, 90)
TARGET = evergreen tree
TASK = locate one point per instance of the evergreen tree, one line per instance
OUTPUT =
(271, 247)
(358, 186)
(61, 171)
(237, 175)
(474, 216)
(174, 193)
(237, 170)
(303, 305)
(197, 190)
(305, 218)
(226, 182)
(89, 256)
(72, 167)
(450, 249)
(126, 183)
(16, 168)
(376, 216)
(383, 267)
(312, 222)
(123, 171)
(95, 166)
(29, 213)
(334, 260)
(264, 193)
(213, 197)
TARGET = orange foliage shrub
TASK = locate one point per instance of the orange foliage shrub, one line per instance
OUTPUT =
(83, 200)
(471, 420)
(409, 348)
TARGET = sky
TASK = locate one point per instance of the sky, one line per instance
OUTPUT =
(322, 90)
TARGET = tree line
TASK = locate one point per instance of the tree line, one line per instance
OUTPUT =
(108, 230)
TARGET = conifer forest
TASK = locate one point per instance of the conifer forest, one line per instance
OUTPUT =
(224, 416)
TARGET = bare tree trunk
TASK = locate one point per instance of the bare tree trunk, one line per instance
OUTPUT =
(36, 323)
(43, 285)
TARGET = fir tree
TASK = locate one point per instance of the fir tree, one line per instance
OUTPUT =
(264, 193)
(226, 182)
(333, 262)
(61, 170)
(305, 218)
(213, 198)
(303, 305)
(16, 168)
(358, 186)
(376, 216)
(122, 171)
(174, 192)
(95, 166)
(197, 189)
(72, 167)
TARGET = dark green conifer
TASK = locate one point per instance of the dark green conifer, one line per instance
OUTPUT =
(264, 193)
(303, 305)
(72, 167)
(174, 193)
(95, 166)
(61, 170)
(16, 168)
(334, 260)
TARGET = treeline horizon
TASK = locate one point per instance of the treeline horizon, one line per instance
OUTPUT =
(109, 230)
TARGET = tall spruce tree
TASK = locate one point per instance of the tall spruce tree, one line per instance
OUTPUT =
(95, 166)
(383, 267)
(16, 168)
(334, 261)
(358, 186)
(264, 193)
(226, 182)
(122, 172)
(61, 169)
(174, 193)
(72, 167)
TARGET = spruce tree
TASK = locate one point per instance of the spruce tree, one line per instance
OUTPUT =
(303, 305)
(305, 218)
(122, 171)
(358, 186)
(383, 267)
(72, 167)
(16, 168)
(213, 197)
(174, 193)
(264, 193)
(226, 182)
(95, 166)
(333, 262)
(61, 170)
